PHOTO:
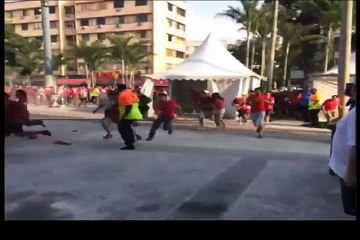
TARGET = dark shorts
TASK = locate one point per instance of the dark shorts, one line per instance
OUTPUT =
(242, 113)
(269, 112)
(348, 196)
(15, 128)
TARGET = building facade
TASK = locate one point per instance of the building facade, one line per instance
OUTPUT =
(161, 23)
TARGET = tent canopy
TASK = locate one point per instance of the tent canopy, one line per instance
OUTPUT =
(335, 70)
(210, 61)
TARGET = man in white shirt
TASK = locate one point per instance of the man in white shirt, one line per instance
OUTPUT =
(343, 158)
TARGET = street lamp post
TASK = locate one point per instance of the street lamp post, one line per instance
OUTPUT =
(49, 80)
(270, 69)
(344, 52)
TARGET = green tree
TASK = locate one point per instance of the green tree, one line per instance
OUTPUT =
(93, 55)
(244, 16)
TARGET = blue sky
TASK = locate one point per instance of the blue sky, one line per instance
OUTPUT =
(201, 20)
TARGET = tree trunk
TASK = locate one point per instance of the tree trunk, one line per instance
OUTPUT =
(122, 71)
(327, 48)
(252, 54)
(263, 56)
(87, 75)
(247, 46)
(93, 76)
(286, 65)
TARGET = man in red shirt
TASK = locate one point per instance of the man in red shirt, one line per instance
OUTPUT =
(329, 107)
(269, 106)
(206, 107)
(257, 103)
(17, 115)
(166, 114)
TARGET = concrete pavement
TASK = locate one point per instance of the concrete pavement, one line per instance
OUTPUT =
(188, 175)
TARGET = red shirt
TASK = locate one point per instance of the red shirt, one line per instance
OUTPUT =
(16, 113)
(167, 108)
(219, 104)
(330, 105)
(75, 92)
(205, 103)
(256, 103)
(269, 106)
(47, 92)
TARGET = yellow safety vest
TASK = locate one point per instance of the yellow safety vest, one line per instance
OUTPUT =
(134, 113)
(312, 103)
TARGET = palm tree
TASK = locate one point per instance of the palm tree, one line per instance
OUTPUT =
(93, 55)
(119, 50)
(135, 55)
(246, 17)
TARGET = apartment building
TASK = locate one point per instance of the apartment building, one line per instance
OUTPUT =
(162, 23)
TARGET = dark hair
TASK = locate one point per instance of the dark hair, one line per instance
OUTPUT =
(259, 89)
(20, 93)
(216, 96)
(121, 87)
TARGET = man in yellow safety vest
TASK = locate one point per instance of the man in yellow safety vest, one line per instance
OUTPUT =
(314, 107)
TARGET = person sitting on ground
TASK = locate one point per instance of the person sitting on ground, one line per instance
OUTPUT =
(219, 110)
(17, 115)
(206, 107)
(269, 106)
(329, 107)
(240, 104)
(165, 110)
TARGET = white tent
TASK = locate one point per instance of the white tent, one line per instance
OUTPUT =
(327, 83)
(211, 67)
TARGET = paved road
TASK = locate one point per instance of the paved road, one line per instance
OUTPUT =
(189, 175)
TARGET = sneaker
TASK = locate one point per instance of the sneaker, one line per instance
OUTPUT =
(46, 133)
(149, 138)
(138, 137)
(260, 136)
(108, 136)
(130, 147)
(170, 132)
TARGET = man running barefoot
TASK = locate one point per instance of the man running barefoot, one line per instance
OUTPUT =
(257, 103)
(166, 114)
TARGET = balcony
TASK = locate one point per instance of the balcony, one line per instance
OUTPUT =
(113, 12)
(175, 46)
(114, 28)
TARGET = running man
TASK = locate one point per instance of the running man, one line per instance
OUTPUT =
(257, 103)
(166, 114)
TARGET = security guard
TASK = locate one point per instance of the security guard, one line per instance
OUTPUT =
(128, 113)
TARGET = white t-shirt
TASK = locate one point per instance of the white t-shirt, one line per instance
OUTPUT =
(343, 140)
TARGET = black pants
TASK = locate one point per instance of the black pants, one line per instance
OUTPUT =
(126, 131)
(157, 123)
(305, 112)
(314, 118)
(348, 196)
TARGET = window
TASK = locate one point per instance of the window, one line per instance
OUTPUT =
(180, 54)
(69, 10)
(181, 12)
(170, 38)
(101, 36)
(142, 34)
(119, 20)
(70, 24)
(85, 37)
(71, 39)
(53, 24)
(37, 11)
(170, 22)
(140, 2)
(37, 26)
(118, 3)
(170, 7)
(52, 9)
(54, 38)
(24, 13)
(100, 21)
(24, 26)
(84, 22)
(170, 53)
(180, 26)
(8, 14)
(141, 18)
